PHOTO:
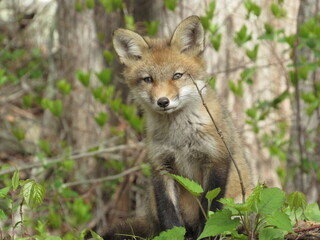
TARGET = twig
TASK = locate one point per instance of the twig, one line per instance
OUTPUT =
(103, 179)
(221, 136)
(21, 216)
(12, 214)
(307, 229)
(72, 157)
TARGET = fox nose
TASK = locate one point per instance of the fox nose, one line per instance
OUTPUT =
(163, 102)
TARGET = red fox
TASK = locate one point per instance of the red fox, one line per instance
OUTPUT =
(181, 137)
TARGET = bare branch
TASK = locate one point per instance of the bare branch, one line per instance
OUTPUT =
(72, 157)
(103, 179)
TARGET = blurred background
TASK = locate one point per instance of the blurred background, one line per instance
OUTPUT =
(67, 121)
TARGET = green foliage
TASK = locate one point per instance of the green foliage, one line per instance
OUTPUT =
(242, 36)
(33, 192)
(176, 233)
(297, 200)
(105, 76)
(54, 106)
(101, 119)
(90, 4)
(252, 54)
(278, 11)
(194, 188)
(170, 4)
(152, 27)
(129, 21)
(264, 214)
(64, 87)
(84, 78)
(252, 8)
(218, 223)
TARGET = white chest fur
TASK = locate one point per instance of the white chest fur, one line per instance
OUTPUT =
(182, 136)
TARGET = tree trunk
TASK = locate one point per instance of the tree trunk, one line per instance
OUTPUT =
(79, 50)
(305, 129)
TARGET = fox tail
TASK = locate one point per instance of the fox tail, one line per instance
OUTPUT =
(132, 229)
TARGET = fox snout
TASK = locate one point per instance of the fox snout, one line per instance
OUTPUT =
(163, 102)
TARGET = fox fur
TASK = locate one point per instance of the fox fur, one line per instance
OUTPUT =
(180, 136)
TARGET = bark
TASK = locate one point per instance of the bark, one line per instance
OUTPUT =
(304, 128)
(79, 49)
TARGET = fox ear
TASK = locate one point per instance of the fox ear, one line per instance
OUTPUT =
(189, 36)
(128, 45)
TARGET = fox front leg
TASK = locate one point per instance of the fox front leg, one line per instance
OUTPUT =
(214, 177)
(167, 203)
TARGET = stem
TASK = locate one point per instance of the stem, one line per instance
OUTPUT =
(21, 216)
(222, 138)
(12, 215)
(202, 210)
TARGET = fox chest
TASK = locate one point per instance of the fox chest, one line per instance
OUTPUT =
(182, 146)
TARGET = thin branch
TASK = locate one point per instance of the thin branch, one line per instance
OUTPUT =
(72, 157)
(306, 229)
(222, 138)
(103, 179)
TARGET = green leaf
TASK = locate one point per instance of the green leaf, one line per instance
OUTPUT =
(45, 147)
(272, 199)
(4, 192)
(84, 78)
(247, 74)
(279, 99)
(33, 192)
(101, 119)
(105, 76)
(194, 188)
(90, 4)
(241, 36)
(278, 11)
(3, 78)
(152, 27)
(176, 233)
(236, 88)
(170, 4)
(218, 223)
(280, 220)
(271, 234)
(2, 215)
(216, 41)
(252, 54)
(129, 21)
(56, 108)
(108, 56)
(107, 4)
(64, 87)
(95, 236)
(19, 133)
(252, 112)
(213, 194)
(252, 8)
(297, 200)
(229, 202)
(312, 212)
(27, 101)
(78, 6)
(15, 180)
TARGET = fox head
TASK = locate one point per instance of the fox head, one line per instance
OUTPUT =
(160, 72)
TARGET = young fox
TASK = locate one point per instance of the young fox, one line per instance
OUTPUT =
(181, 137)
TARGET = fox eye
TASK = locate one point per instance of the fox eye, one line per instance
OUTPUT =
(148, 79)
(177, 76)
